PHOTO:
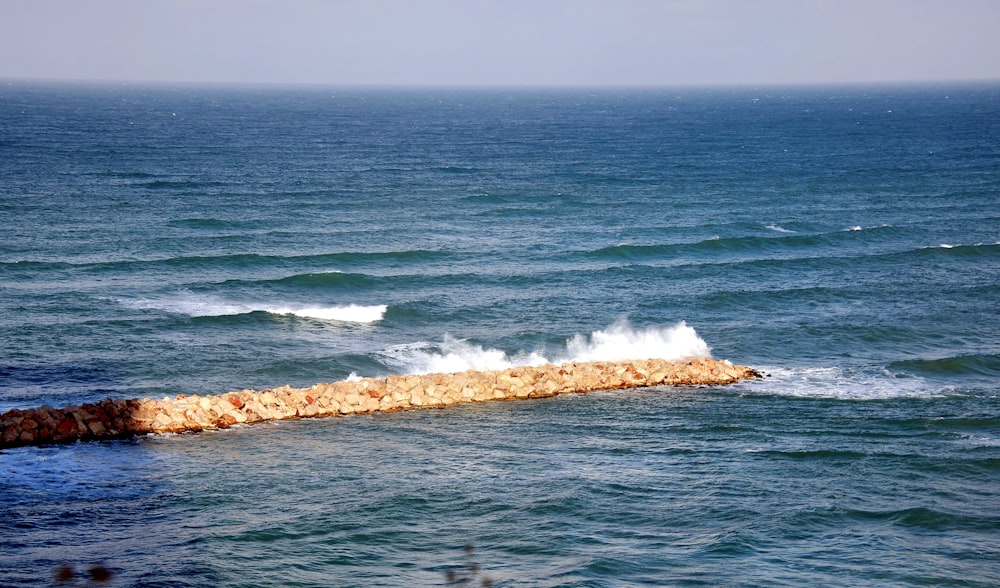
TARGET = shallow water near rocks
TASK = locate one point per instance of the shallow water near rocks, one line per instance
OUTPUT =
(199, 240)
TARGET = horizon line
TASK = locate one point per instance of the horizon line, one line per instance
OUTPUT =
(493, 86)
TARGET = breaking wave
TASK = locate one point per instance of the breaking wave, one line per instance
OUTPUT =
(619, 342)
(206, 306)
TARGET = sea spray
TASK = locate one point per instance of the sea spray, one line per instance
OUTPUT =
(621, 342)
(618, 342)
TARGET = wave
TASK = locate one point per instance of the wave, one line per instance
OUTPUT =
(974, 364)
(619, 342)
(207, 306)
(713, 245)
(691, 258)
(327, 279)
(242, 260)
(948, 250)
(779, 241)
(920, 518)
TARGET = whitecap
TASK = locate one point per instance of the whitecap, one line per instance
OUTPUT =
(351, 313)
(779, 229)
(194, 305)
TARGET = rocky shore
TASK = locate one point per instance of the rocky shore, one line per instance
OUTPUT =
(125, 418)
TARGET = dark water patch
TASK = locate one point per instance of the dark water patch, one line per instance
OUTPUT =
(756, 244)
(181, 184)
(913, 519)
(927, 519)
(339, 281)
(26, 270)
(89, 372)
(972, 466)
(952, 423)
(34, 265)
(234, 321)
(124, 175)
(484, 198)
(457, 169)
(246, 261)
(513, 213)
(811, 296)
(635, 252)
(784, 245)
(212, 224)
(946, 252)
(819, 455)
(977, 364)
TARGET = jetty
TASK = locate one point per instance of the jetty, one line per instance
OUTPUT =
(120, 418)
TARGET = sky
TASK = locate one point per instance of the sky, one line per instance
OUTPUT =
(501, 42)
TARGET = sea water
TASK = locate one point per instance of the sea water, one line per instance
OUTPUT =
(845, 241)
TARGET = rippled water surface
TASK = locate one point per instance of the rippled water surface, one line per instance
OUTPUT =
(198, 240)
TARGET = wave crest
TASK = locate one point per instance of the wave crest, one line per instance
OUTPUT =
(204, 306)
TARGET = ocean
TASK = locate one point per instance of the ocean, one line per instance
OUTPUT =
(845, 241)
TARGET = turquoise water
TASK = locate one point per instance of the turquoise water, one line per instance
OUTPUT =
(845, 241)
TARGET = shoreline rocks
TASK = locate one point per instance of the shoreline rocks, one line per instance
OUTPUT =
(117, 418)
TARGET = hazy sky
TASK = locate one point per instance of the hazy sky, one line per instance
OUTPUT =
(501, 42)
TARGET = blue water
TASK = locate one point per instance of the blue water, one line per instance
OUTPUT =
(845, 241)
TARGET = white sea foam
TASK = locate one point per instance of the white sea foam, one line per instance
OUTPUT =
(779, 229)
(840, 383)
(619, 342)
(201, 306)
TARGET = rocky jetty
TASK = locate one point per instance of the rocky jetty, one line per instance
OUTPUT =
(125, 418)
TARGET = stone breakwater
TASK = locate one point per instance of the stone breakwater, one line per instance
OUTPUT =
(125, 418)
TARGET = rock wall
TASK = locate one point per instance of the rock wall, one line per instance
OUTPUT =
(125, 418)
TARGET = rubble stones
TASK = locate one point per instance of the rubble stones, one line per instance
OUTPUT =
(124, 418)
